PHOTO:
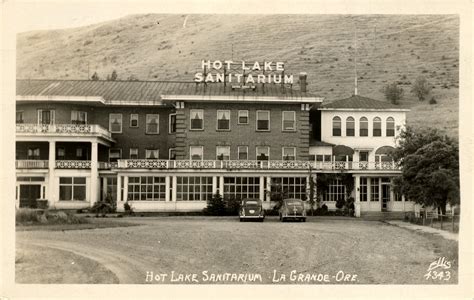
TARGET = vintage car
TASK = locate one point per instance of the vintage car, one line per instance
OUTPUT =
(251, 209)
(292, 209)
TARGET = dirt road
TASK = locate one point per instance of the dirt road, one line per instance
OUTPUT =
(204, 250)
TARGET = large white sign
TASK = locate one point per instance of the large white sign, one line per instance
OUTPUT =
(247, 74)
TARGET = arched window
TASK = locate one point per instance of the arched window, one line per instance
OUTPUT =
(364, 127)
(350, 126)
(390, 126)
(336, 126)
(377, 130)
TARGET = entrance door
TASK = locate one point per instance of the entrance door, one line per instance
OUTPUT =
(385, 196)
(28, 195)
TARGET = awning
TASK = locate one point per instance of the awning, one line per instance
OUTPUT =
(342, 150)
(387, 150)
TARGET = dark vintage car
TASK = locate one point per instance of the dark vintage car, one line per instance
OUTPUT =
(292, 209)
(251, 209)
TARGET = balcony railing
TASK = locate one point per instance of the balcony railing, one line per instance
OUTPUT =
(31, 164)
(64, 129)
(252, 164)
(73, 164)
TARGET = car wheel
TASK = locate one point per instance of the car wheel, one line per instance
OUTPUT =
(240, 220)
(280, 217)
(304, 219)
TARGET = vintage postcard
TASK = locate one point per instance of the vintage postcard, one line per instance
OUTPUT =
(273, 149)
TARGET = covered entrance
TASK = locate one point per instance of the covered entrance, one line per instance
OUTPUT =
(28, 195)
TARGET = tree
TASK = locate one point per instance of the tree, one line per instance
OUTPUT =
(393, 93)
(113, 76)
(95, 76)
(430, 168)
(421, 88)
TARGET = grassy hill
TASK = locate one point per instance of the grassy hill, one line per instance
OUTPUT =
(167, 47)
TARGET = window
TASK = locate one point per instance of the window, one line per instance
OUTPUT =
(377, 130)
(223, 120)
(364, 127)
(172, 123)
(336, 191)
(243, 117)
(336, 126)
(363, 189)
(72, 188)
(60, 153)
(133, 153)
(146, 188)
(291, 187)
(197, 119)
(152, 124)
(172, 153)
(289, 121)
(46, 117)
(115, 154)
(374, 182)
(79, 152)
(241, 187)
(19, 117)
(243, 152)
(133, 120)
(263, 120)
(390, 127)
(223, 152)
(78, 117)
(193, 188)
(288, 153)
(115, 123)
(196, 152)
(151, 153)
(350, 126)
(364, 156)
(263, 153)
(33, 153)
(111, 187)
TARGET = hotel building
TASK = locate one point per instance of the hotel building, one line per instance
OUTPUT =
(168, 146)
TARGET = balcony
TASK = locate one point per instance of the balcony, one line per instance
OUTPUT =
(64, 130)
(73, 164)
(31, 164)
(253, 164)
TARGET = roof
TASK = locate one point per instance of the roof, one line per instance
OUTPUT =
(147, 90)
(359, 102)
(314, 143)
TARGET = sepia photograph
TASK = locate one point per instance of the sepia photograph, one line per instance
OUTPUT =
(250, 149)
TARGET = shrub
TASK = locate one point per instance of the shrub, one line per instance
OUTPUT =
(215, 206)
(433, 100)
(25, 216)
(232, 205)
(128, 208)
(106, 206)
(340, 203)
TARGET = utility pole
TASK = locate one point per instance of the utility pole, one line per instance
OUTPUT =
(355, 59)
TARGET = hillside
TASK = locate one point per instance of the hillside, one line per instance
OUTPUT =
(167, 47)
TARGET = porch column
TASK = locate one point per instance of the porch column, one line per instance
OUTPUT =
(51, 167)
(261, 189)
(357, 196)
(174, 184)
(94, 174)
(119, 189)
(125, 188)
(221, 186)
(167, 188)
(214, 185)
(268, 189)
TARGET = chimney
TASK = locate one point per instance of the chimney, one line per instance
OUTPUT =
(303, 82)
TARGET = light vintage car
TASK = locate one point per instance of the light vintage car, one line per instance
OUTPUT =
(251, 209)
(292, 209)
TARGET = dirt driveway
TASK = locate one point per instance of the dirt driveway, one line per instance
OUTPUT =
(222, 250)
